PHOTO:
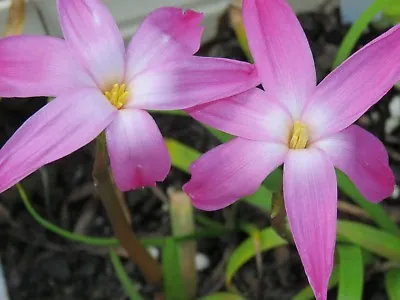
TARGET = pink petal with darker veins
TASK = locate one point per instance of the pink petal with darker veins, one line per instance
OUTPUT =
(231, 171)
(281, 52)
(190, 82)
(350, 90)
(58, 129)
(138, 154)
(94, 38)
(38, 66)
(251, 115)
(166, 34)
(363, 158)
(310, 193)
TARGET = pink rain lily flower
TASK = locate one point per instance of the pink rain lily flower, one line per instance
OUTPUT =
(305, 127)
(101, 86)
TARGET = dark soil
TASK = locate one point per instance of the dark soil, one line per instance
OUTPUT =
(42, 265)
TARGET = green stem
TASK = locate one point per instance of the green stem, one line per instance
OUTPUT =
(105, 242)
(357, 29)
(110, 242)
(129, 288)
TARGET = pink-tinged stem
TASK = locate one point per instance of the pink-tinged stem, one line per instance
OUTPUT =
(113, 202)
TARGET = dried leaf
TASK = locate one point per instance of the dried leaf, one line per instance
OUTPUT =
(16, 18)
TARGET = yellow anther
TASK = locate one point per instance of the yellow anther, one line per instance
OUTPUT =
(117, 95)
(299, 136)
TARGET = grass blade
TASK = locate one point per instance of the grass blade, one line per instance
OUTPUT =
(351, 273)
(129, 287)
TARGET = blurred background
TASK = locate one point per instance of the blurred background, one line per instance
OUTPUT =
(41, 15)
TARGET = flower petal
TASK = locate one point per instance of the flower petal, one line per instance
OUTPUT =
(94, 38)
(64, 125)
(281, 52)
(190, 82)
(310, 193)
(363, 158)
(350, 90)
(138, 154)
(168, 33)
(231, 171)
(249, 115)
(38, 66)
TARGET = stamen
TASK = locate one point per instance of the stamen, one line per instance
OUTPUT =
(299, 136)
(117, 95)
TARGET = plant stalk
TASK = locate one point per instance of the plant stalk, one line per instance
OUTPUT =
(112, 200)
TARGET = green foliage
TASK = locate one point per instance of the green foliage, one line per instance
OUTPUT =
(128, 285)
(374, 240)
(392, 284)
(223, 296)
(307, 292)
(173, 281)
(377, 213)
(267, 239)
(356, 30)
(351, 273)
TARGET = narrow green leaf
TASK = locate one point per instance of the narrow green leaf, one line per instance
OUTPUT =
(392, 10)
(357, 29)
(223, 296)
(170, 112)
(182, 156)
(307, 293)
(127, 284)
(269, 239)
(107, 242)
(377, 241)
(351, 273)
(221, 136)
(173, 281)
(376, 211)
(392, 284)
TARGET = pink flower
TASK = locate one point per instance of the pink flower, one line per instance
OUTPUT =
(307, 128)
(100, 85)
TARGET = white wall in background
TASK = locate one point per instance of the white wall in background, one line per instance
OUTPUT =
(129, 13)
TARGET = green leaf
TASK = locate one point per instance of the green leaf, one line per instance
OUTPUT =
(182, 156)
(392, 10)
(357, 29)
(221, 136)
(223, 296)
(173, 281)
(377, 241)
(94, 241)
(307, 293)
(269, 239)
(392, 284)
(351, 272)
(129, 287)
(376, 211)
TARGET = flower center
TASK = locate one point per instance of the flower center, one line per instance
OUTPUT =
(299, 137)
(117, 95)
